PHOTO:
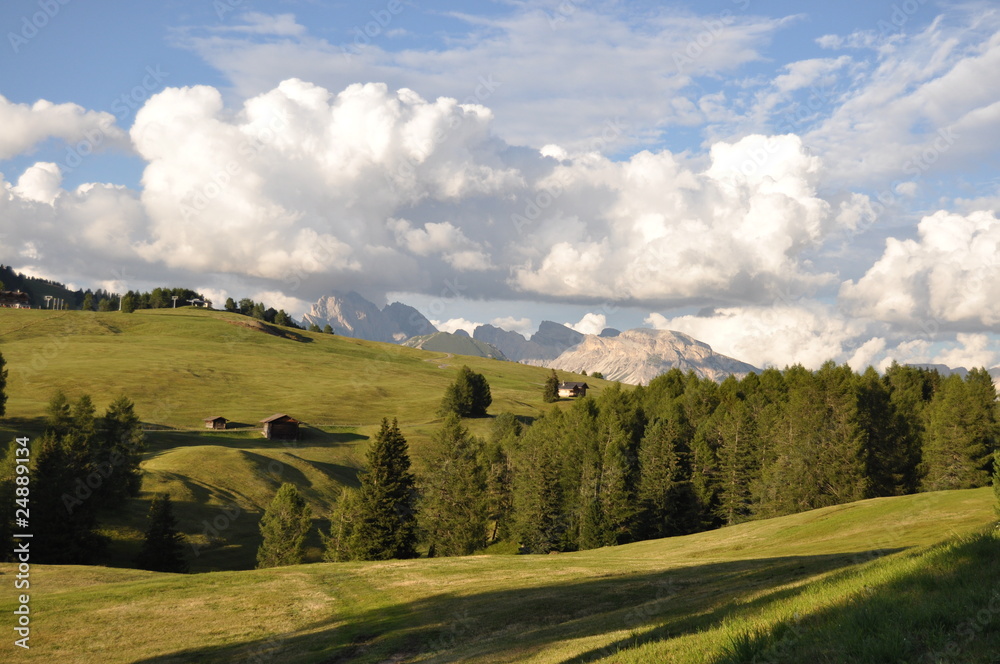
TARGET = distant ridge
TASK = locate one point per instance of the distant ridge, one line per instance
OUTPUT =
(640, 355)
(351, 315)
(459, 344)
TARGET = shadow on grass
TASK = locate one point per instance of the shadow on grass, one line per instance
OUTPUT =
(519, 623)
(158, 442)
(946, 611)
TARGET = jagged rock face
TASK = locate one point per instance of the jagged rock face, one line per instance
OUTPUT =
(555, 335)
(640, 355)
(410, 322)
(546, 344)
(610, 332)
(351, 315)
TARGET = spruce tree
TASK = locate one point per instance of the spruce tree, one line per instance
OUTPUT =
(550, 393)
(163, 547)
(617, 489)
(378, 521)
(665, 499)
(468, 396)
(64, 513)
(284, 526)
(961, 433)
(453, 504)
(121, 444)
(737, 450)
(539, 523)
(327, 329)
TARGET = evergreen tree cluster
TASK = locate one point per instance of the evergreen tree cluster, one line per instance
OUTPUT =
(686, 454)
(468, 396)
(681, 455)
(83, 465)
(260, 311)
(37, 288)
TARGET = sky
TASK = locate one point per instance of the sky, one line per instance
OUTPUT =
(789, 182)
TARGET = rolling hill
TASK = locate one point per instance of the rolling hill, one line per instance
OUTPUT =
(182, 365)
(888, 579)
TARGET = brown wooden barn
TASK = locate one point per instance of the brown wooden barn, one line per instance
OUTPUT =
(15, 300)
(217, 422)
(281, 427)
(573, 389)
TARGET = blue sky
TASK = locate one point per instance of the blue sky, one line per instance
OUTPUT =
(789, 182)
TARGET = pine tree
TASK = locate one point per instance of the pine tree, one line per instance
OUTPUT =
(88, 301)
(550, 393)
(282, 319)
(617, 494)
(230, 305)
(538, 495)
(284, 526)
(128, 302)
(121, 444)
(962, 433)
(313, 327)
(339, 542)
(64, 517)
(665, 499)
(468, 396)
(378, 521)
(327, 329)
(737, 451)
(163, 547)
(453, 505)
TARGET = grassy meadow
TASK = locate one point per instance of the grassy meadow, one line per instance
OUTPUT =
(883, 580)
(907, 579)
(182, 365)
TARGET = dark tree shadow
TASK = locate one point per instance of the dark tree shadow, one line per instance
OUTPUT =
(447, 627)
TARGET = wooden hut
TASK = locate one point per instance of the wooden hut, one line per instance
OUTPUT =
(281, 427)
(573, 389)
(15, 300)
(217, 422)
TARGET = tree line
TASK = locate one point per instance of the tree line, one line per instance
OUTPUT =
(681, 455)
(83, 466)
(261, 311)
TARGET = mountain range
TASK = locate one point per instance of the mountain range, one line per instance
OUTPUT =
(633, 356)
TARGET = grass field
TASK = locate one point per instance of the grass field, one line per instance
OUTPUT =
(180, 366)
(884, 580)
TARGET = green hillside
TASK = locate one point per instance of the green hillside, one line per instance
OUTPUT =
(889, 579)
(182, 365)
